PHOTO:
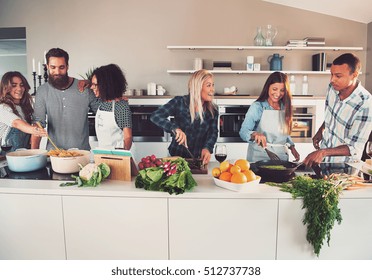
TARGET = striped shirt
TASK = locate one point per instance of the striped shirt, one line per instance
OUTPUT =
(7, 118)
(199, 134)
(347, 122)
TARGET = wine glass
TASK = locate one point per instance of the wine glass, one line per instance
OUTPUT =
(6, 146)
(369, 149)
(220, 153)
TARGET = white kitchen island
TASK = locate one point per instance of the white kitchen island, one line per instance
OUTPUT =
(41, 220)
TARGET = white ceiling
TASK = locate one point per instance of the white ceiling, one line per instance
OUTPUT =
(356, 10)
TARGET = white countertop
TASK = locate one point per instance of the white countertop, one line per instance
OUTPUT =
(110, 188)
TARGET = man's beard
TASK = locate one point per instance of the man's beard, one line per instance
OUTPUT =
(59, 81)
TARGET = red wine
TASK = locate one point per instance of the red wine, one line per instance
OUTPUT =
(220, 157)
(369, 154)
(6, 148)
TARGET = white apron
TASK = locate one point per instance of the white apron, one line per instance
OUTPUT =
(272, 125)
(109, 135)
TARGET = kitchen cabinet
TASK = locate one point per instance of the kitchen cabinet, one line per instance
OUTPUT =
(261, 50)
(222, 229)
(348, 240)
(31, 227)
(115, 228)
(115, 220)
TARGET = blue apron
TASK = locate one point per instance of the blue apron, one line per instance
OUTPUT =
(272, 124)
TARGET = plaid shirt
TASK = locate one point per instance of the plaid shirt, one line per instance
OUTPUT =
(347, 122)
(199, 135)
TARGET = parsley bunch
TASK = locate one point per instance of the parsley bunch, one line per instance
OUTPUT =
(320, 199)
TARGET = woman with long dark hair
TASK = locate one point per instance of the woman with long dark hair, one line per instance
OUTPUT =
(16, 111)
(268, 122)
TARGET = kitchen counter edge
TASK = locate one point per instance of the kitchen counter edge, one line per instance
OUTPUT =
(206, 189)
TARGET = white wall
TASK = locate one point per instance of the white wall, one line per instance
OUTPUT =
(134, 34)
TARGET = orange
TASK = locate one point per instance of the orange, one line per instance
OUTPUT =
(224, 166)
(243, 164)
(225, 176)
(250, 175)
(238, 178)
(235, 169)
(216, 172)
(228, 169)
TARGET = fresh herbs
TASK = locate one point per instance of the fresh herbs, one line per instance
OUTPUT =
(320, 199)
(172, 176)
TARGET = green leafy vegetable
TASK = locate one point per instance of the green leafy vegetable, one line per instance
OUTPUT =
(172, 176)
(320, 199)
(90, 175)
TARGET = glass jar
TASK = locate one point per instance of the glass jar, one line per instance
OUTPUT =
(259, 40)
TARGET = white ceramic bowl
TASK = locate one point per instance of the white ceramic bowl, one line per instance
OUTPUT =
(66, 165)
(244, 187)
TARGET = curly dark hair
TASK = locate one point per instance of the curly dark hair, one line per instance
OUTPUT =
(111, 81)
(279, 77)
(6, 98)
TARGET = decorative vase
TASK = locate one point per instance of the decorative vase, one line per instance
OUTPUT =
(259, 40)
(270, 34)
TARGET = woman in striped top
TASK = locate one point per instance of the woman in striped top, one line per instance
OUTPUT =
(16, 111)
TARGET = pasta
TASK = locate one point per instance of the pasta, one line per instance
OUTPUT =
(64, 153)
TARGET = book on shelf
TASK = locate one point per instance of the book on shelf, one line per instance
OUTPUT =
(314, 39)
(315, 43)
(222, 68)
(296, 43)
(319, 62)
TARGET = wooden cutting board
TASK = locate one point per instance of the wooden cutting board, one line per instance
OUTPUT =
(120, 166)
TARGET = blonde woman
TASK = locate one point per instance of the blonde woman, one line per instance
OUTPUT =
(195, 119)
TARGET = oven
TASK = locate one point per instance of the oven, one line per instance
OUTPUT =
(92, 127)
(143, 129)
(231, 118)
(303, 125)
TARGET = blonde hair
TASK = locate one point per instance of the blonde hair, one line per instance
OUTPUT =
(195, 88)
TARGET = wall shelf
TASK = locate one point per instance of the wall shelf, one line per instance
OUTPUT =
(239, 48)
(241, 72)
(330, 48)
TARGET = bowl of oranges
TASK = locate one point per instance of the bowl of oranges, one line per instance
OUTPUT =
(236, 177)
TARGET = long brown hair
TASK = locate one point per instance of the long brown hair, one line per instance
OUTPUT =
(279, 77)
(6, 98)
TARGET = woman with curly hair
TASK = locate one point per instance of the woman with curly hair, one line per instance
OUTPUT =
(113, 118)
(16, 111)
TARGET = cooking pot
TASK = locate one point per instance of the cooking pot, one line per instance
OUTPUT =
(276, 175)
(66, 165)
(26, 160)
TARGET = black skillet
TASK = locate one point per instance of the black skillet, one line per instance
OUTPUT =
(276, 175)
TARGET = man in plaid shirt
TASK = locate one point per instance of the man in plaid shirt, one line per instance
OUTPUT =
(348, 115)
